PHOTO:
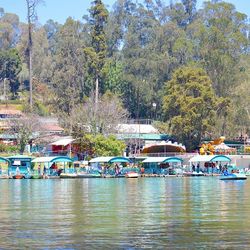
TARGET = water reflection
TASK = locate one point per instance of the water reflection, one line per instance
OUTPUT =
(125, 213)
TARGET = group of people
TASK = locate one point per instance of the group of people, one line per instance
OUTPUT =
(210, 167)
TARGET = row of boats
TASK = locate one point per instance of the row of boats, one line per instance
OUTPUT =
(131, 174)
(67, 175)
(223, 176)
(98, 175)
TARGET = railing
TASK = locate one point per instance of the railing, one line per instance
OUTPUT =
(166, 154)
(140, 121)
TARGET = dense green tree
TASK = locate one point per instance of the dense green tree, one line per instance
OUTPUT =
(42, 59)
(222, 38)
(132, 51)
(100, 145)
(51, 27)
(190, 105)
(97, 51)
(10, 66)
(9, 30)
(68, 78)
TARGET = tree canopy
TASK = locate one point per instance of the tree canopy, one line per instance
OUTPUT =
(129, 52)
(189, 105)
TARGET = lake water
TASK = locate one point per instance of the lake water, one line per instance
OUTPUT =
(158, 213)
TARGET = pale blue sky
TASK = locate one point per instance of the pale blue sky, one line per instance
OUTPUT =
(59, 10)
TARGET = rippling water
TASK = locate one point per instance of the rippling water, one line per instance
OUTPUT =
(159, 213)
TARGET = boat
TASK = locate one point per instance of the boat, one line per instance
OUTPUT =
(132, 175)
(194, 173)
(233, 176)
(18, 176)
(4, 176)
(36, 176)
(68, 175)
(88, 175)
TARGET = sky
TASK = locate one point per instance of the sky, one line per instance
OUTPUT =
(59, 10)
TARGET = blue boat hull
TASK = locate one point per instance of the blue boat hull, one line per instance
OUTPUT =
(235, 176)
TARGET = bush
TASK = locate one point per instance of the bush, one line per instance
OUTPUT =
(8, 148)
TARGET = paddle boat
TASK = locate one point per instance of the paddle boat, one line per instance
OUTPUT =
(194, 173)
(20, 167)
(88, 175)
(18, 176)
(68, 175)
(233, 176)
(132, 175)
(4, 176)
(36, 176)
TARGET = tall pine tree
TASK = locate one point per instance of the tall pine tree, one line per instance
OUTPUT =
(97, 51)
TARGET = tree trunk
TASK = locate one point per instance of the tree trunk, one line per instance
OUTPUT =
(30, 77)
(96, 93)
(29, 15)
(96, 104)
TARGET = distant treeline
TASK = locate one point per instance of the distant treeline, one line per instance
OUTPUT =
(185, 67)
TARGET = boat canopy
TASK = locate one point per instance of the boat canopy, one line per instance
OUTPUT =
(210, 158)
(20, 157)
(4, 160)
(162, 159)
(110, 159)
(52, 159)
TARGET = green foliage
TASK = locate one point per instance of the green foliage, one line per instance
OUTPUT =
(96, 53)
(10, 66)
(220, 34)
(8, 148)
(189, 105)
(101, 145)
(131, 51)
(68, 77)
(40, 109)
(162, 127)
(113, 72)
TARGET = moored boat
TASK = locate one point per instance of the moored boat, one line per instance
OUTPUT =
(4, 176)
(68, 175)
(88, 175)
(18, 176)
(233, 176)
(194, 173)
(131, 175)
(36, 176)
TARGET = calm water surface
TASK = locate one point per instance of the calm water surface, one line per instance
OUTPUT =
(159, 213)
